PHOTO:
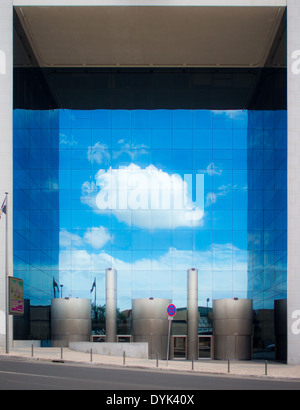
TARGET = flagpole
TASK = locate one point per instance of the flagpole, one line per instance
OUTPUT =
(6, 274)
(94, 286)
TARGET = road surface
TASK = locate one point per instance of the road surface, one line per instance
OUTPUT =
(18, 374)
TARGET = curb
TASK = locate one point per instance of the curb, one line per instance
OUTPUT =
(196, 372)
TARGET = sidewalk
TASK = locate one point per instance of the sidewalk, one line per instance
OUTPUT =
(234, 368)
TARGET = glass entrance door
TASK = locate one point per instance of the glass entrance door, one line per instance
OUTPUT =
(179, 347)
(204, 346)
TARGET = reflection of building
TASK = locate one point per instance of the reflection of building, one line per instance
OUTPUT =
(35, 324)
(36, 214)
(158, 109)
(179, 326)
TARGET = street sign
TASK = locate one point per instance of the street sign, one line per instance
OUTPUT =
(16, 296)
(171, 309)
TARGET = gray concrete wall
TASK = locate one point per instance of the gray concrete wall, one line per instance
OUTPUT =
(6, 132)
(134, 350)
(293, 24)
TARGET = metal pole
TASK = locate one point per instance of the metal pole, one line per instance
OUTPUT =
(169, 333)
(6, 275)
(192, 314)
(111, 305)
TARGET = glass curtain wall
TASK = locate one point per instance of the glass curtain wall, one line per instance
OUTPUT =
(267, 226)
(151, 193)
(36, 217)
(151, 172)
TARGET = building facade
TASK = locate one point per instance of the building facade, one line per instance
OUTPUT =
(152, 139)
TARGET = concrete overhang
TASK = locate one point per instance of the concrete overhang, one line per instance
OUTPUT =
(188, 34)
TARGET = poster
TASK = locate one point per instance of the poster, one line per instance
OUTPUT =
(16, 296)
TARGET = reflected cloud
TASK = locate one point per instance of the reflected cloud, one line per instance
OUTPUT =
(98, 153)
(155, 199)
(221, 258)
(96, 237)
(212, 169)
(132, 150)
(212, 197)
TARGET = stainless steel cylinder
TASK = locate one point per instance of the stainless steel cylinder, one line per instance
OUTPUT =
(111, 305)
(232, 328)
(150, 324)
(192, 314)
(70, 321)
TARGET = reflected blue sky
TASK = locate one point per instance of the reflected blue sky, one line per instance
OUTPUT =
(151, 193)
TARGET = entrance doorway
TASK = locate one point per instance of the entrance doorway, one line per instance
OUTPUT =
(179, 347)
(204, 347)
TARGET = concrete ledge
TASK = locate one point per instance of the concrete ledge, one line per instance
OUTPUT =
(26, 343)
(134, 350)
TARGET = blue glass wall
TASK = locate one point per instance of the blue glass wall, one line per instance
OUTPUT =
(106, 223)
(267, 220)
(151, 193)
(35, 217)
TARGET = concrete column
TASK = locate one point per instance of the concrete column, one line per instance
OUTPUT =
(293, 285)
(6, 132)
(111, 305)
(192, 314)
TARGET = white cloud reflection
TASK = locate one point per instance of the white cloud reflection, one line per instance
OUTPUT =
(95, 237)
(155, 199)
(78, 267)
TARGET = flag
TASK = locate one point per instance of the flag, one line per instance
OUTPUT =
(3, 208)
(94, 285)
(55, 285)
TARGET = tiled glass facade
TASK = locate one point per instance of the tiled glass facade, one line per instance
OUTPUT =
(267, 223)
(36, 217)
(151, 193)
(123, 203)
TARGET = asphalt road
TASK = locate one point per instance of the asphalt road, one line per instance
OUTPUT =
(18, 374)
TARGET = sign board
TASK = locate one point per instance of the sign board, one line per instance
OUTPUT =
(16, 296)
(171, 309)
